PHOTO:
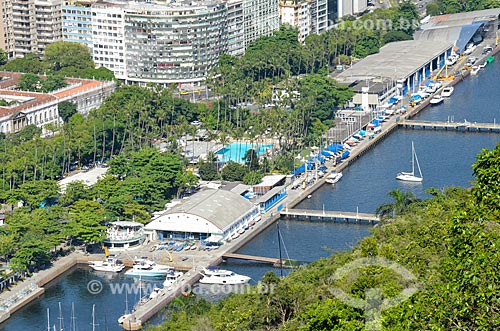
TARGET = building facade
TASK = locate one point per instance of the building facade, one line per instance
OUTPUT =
(108, 37)
(6, 28)
(296, 13)
(77, 24)
(319, 16)
(261, 19)
(40, 109)
(175, 43)
(36, 24)
(235, 28)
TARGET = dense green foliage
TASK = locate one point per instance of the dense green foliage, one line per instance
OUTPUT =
(438, 7)
(450, 243)
(34, 83)
(63, 59)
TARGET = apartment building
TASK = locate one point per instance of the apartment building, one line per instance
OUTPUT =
(351, 7)
(36, 23)
(108, 36)
(319, 16)
(296, 13)
(235, 28)
(6, 28)
(179, 42)
(77, 23)
(261, 18)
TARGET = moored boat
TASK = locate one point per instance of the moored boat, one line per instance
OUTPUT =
(333, 177)
(437, 99)
(213, 275)
(109, 264)
(147, 268)
(447, 91)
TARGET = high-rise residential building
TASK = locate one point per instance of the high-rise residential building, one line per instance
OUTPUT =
(235, 28)
(319, 16)
(333, 15)
(296, 13)
(261, 18)
(6, 28)
(177, 42)
(351, 7)
(77, 23)
(36, 23)
(108, 36)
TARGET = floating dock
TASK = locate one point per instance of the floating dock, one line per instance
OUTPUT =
(337, 216)
(457, 126)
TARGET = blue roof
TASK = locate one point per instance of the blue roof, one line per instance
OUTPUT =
(466, 35)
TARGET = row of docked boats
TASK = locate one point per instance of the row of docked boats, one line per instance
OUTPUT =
(445, 93)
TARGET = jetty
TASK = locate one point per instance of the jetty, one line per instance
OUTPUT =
(464, 126)
(321, 215)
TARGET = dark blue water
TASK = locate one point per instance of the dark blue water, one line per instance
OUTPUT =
(445, 159)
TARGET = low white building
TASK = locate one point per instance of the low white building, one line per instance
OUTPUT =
(210, 214)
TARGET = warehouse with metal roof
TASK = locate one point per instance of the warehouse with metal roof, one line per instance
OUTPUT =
(210, 214)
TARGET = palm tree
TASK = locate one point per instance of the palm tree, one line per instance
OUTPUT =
(401, 204)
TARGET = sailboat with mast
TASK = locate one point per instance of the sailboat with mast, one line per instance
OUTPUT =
(411, 176)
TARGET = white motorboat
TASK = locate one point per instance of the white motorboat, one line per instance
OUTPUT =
(171, 278)
(437, 99)
(147, 268)
(333, 178)
(410, 176)
(474, 70)
(447, 91)
(109, 264)
(222, 277)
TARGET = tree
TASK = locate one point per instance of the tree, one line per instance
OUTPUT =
(30, 82)
(208, 171)
(67, 57)
(86, 218)
(252, 178)
(401, 204)
(395, 35)
(251, 160)
(29, 64)
(433, 8)
(233, 171)
(100, 73)
(3, 57)
(406, 18)
(52, 83)
(66, 110)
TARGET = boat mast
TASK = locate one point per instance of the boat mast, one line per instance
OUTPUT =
(60, 318)
(48, 319)
(412, 159)
(73, 318)
(279, 248)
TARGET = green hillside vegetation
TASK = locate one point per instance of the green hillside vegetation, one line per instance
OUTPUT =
(449, 242)
(438, 7)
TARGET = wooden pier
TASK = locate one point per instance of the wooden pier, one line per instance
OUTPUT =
(457, 126)
(250, 258)
(339, 216)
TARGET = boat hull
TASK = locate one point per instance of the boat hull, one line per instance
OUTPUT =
(108, 268)
(210, 280)
(409, 178)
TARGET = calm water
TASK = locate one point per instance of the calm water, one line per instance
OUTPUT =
(445, 159)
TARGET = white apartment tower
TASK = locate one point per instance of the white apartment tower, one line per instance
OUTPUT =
(235, 28)
(261, 18)
(108, 37)
(36, 23)
(296, 13)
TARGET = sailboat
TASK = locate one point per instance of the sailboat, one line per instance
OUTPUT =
(127, 314)
(410, 176)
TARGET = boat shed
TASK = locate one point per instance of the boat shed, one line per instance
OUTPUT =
(271, 199)
(399, 66)
(209, 214)
(461, 29)
(267, 183)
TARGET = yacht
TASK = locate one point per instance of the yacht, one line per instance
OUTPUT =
(171, 278)
(437, 99)
(222, 277)
(447, 91)
(333, 178)
(109, 264)
(474, 70)
(147, 268)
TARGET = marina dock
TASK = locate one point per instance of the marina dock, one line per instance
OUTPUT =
(457, 126)
(336, 216)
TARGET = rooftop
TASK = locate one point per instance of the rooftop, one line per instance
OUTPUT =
(90, 177)
(220, 207)
(397, 60)
(270, 180)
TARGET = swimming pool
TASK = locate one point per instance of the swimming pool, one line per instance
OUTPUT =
(236, 151)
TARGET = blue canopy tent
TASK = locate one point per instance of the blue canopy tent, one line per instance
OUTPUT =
(392, 101)
(302, 169)
(325, 153)
(345, 154)
(362, 133)
(376, 122)
(334, 148)
(429, 82)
